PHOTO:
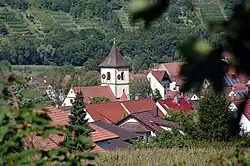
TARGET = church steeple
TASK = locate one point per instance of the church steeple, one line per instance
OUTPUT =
(114, 59)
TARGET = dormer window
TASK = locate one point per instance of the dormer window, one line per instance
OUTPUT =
(108, 75)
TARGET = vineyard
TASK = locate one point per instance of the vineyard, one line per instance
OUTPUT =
(37, 22)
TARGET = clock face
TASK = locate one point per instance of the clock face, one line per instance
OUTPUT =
(119, 77)
(103, 76)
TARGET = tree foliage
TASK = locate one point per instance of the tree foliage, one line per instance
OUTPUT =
(20, 122)
(77, 112)
(214, 116)
(140, 88)
(99, 100)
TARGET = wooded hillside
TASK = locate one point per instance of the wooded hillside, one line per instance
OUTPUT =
(74, 32)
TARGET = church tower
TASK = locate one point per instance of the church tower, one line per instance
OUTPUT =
(115, 72)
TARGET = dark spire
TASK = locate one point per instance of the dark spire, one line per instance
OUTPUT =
(114, 58)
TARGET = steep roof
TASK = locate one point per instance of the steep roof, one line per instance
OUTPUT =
(182, 104)
(90, 92)
(134, 106)
(101, 134)
(59, 117)
(114, 59)
(173, 68)
(123, 134)
(124, 96)
(52, 142)
(159, 75)
(110, 112)
(151, 122)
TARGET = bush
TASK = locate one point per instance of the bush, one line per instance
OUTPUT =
(3, 28)
(165, 139)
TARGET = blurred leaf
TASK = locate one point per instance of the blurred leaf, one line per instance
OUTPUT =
(146, 12)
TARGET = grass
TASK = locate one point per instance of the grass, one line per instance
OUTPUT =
(30, 94)
(162, 157)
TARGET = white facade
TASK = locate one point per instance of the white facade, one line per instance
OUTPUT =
(69, 98)
(155, 84)
(245, 124)
(194, 97)
(117, 79)
(173, 86)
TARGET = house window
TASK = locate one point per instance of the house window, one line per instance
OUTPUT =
(71, 100)
(122, 75)
(108, 75)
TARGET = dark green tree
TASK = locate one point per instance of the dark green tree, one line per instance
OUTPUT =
(215, 118)
(156, 94)
(77, 112)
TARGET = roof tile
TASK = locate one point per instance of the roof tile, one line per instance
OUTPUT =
(95, 91)
(101, 134)
(108, 112)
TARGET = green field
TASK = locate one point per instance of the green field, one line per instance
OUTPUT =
(166, 157)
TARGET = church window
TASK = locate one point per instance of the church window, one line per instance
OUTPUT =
(108, 75)
(122, 75)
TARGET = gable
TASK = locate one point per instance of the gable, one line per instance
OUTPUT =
(194, 97)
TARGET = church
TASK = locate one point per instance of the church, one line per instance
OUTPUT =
(114, 80)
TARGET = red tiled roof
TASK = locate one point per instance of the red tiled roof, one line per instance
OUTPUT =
(52, 142)
(124, 96)
(134, 127)
(159, 75)
(139, 75)
(173, 68)
(148, 120)
(172, 94)
(101, 134)
(98, 149)
(95, 91)
(171, 104)
(240, 87)
(108, 112)
(58, 116)
(247, 110)
(134, 106)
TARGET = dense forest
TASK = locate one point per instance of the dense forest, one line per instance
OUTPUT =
(80, 33)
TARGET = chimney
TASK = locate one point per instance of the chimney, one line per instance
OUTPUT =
(57, 106)
(156, 111)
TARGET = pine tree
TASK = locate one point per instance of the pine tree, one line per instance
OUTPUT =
(77, 113)
(214, 116)
(78, 136)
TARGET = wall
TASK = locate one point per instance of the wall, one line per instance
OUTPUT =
(116, 85)
(155, 84)
(245, 124)
(71, 96)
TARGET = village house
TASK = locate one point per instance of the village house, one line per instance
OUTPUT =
(121, 138)
(114, 80)
(147, 123)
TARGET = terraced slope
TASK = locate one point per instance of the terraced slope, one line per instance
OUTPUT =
(86, 23)
(210, 10)
(15, 22)
(64, 20)
(123, 15)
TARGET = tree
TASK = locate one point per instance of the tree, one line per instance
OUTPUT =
(156, 94)
(99, 100)
(214, 116)
(140, 88)
(77, 112)
(20, 122)
(46, 52)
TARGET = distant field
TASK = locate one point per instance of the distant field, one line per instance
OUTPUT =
(162, 157)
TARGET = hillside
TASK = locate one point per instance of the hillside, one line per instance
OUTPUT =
(40, 19)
